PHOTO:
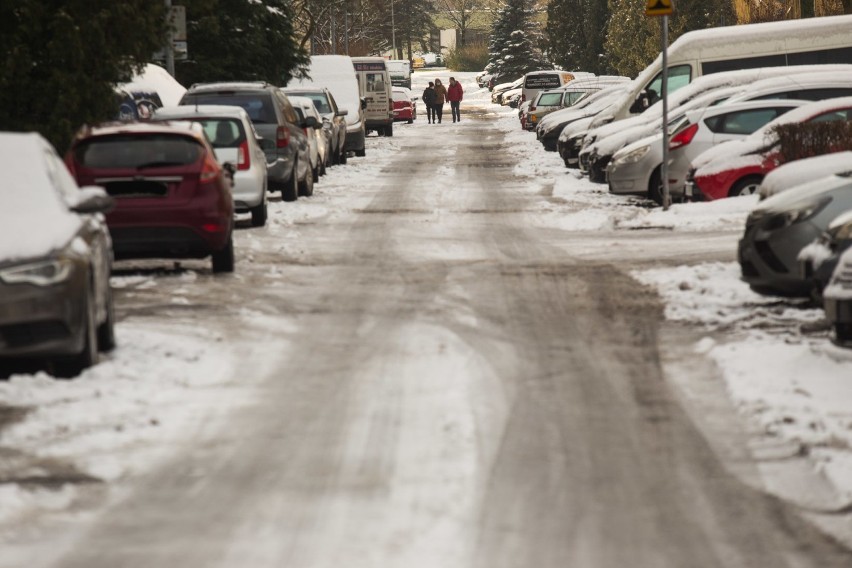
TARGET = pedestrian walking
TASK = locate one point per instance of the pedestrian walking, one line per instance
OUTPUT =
(429, 101)
(455, 94)
(440, 97)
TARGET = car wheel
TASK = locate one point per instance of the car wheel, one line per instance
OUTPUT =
(306, 186)
(315, 173)
(223, 260)
(68, 367)
(343, 157)
(410, 121)
(361, 153)
(843, 333)
(106, 331)
(655, 187)
(745, 186)
(259, 214)
(389, 130)
(290, 190)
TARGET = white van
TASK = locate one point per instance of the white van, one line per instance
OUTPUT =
(772, 44)
(375, 85)
(537, 81)
(400, 72)
(336, 73)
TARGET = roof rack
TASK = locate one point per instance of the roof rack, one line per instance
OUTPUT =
(227, 84)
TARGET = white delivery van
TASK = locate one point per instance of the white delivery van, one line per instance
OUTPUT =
(538, 81)
(336, 73)
(400, 72)
(771, 44)
(375, 85)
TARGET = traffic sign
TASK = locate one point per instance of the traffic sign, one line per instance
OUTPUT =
(659, 8)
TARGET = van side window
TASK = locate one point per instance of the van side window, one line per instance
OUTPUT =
(679, 76)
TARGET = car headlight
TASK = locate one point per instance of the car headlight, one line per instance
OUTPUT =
(790, 218)
(44, 273)
(841, 232)
(632, 156)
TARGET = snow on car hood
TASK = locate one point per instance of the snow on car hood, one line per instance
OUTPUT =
(799, 195)
(797, 172)
(34, 220)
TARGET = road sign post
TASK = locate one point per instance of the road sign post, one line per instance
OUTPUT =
(663, 9)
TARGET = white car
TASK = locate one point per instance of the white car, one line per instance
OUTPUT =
(235, 141)
(317, 131)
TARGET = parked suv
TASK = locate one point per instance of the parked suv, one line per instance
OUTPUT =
(282, 138)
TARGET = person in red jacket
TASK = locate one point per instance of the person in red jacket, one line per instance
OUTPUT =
(455, 95)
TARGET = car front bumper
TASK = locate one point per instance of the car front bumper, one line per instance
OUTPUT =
(768, 258)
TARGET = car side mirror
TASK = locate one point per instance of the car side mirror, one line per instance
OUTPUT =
(310, 122)
(230, 168)
(342, 113)
(266, 145)
(363, 104)
(92, 199)
(642, 102)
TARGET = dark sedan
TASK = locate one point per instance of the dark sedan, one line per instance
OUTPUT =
(55, 261)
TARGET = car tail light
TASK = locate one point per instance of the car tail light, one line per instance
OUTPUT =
(683, 137)
(390, 105)
(214, 228)
(209, 170)
(243, 160)
(282, 137)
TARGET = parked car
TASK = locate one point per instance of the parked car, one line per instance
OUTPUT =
(55, 260)
(552, 100)
(375, 88)
(172, 197)
(334, 116)
(798, 172)
(737, 168)
(636, 168)
(837, 300)
(551, 127)
(404, 107)
(319, 138)
(337, 74)
(781, 226)
(235, 141)
(498, 90)
(535, 82)
(284, 143)
(818, 260)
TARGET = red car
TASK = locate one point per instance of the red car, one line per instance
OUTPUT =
(172, 198)
(737, 168)
(404, 107)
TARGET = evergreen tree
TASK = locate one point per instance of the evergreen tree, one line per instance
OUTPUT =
(239, 40)
(575, 34)
(515, 37)
(60, 61)
(633, 40)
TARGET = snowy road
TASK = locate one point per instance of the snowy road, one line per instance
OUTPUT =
(417, 373)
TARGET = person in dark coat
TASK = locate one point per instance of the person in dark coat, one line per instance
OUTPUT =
(455, 94)
(440, 97)
(429, 100)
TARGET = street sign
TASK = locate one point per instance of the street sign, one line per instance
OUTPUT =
(659, 8)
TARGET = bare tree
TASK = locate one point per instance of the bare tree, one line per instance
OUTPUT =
(460, 12)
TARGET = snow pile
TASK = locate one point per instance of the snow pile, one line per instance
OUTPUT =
(793, 386)
(155, 78)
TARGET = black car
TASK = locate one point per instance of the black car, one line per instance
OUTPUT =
(331, 113)
(55, 261)
(276, 122)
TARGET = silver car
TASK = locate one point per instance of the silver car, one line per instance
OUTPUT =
(635, 169)
(318, 132)
(235, 141)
